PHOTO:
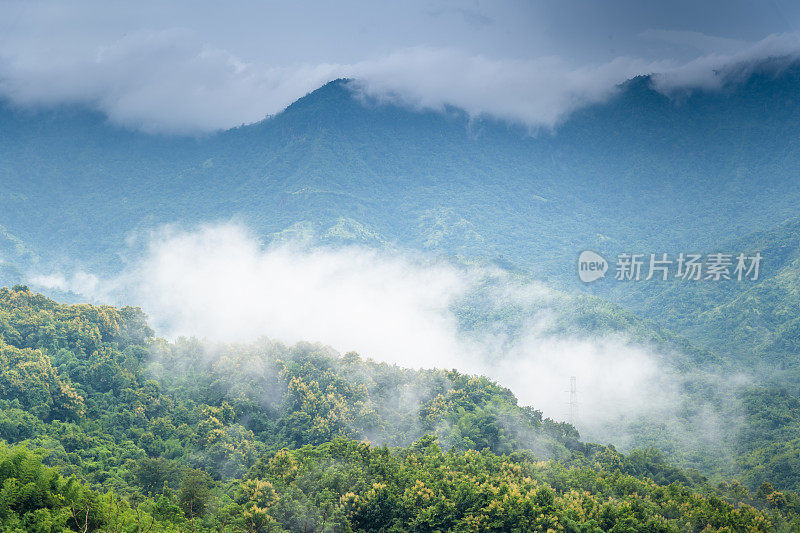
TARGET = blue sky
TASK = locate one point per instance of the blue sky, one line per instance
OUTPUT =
(189, 67)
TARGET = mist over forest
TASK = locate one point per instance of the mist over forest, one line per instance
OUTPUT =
(493, 268)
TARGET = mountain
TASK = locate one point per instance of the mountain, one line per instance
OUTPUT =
(640, 171)
(753, 320)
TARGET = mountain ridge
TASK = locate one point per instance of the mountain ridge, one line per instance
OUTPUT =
(536, 200)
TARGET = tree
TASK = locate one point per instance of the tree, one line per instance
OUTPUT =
(194, 493)
(153, 474)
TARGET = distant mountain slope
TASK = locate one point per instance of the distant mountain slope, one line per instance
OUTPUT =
(757, 320)
(641, 170)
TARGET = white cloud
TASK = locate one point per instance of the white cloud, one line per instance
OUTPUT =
(79, 282)
(165, 81)
(191, 67)
(219, 283)
(715, 70)
(171, 80)
(537, 93)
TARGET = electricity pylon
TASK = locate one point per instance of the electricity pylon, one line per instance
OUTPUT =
(573, 400)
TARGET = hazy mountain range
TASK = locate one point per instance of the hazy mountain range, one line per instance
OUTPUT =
(698, 172)
(641, 171)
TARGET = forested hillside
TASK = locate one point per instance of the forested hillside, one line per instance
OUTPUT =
(110, 428)
(691, 171)
(754, 323)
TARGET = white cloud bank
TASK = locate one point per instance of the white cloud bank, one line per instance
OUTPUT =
(172, 81)
(160, 81)
(537, 93)
(219, 283)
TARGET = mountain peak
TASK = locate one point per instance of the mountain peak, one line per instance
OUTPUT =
(336, 91)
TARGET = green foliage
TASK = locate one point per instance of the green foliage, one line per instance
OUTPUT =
(30, 379)
(36, 498)
(194, 493)
(344, 484)
(265, 437)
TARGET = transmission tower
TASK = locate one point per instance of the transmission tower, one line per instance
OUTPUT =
(573, 400)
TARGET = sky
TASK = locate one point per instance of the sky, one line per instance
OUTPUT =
(193, 67)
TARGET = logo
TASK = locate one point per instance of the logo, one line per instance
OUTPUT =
(591, 266)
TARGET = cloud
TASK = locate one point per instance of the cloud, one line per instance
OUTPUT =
(172, 80)
(169, 81)
(716, 70)
(161, 81)
(543, 92)
(537, 93)
(217, 282)
(189, 67)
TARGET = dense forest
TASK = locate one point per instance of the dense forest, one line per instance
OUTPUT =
(109, 428)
